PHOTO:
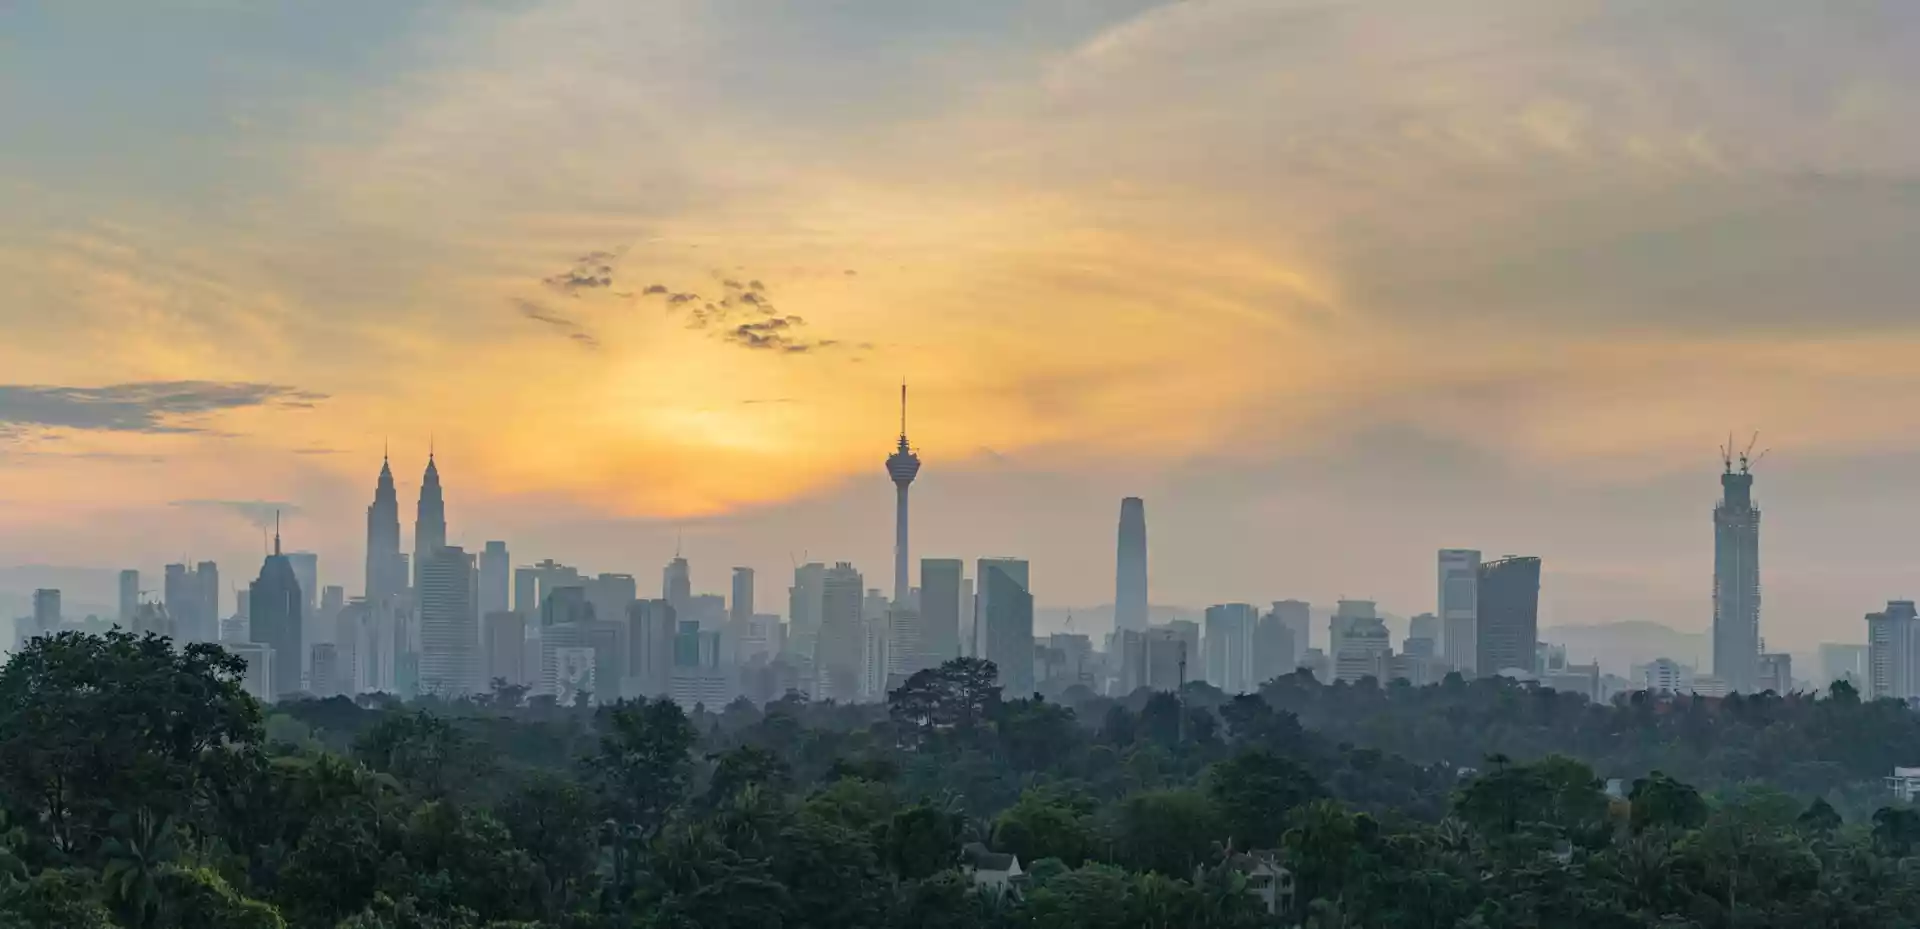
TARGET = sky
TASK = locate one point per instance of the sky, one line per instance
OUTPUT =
(1330, 283)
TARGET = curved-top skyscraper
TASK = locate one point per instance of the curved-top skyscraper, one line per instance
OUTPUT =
(903, 466)
(1130, 576)
(430, 520)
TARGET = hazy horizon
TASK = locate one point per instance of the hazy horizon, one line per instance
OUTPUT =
(1332, 285)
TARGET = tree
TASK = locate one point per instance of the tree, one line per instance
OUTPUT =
(1047, 824)
(921, 841)
(94, 726)
(1661, 801)
(1820, 817)
(68, 899)
(1168, 831)
(643, 762)
(1256, 792)
(553, 819)
(198, 898)
(747, 764)
(426, 752)
(141, 846)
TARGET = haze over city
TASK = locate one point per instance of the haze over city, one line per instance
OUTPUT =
(1330, 285)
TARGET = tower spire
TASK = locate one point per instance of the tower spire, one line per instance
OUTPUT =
(276, 532)
(903, 408)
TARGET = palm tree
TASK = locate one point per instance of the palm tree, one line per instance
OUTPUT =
(142, 847)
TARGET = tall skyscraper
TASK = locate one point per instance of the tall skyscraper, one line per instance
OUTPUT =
(804, 606)
(274, 619)
(676, 583)
(1273, 649)
(1346, 615)
(1508, 624)
(503, 648)
(386, 566)
(1130, 576)
(526, 591)
(1003, 622)
(495, 576)
(193, 601)
(449, 627)
(651, 633)
(1736, 579)
(1297, 616)
(129, 597)
(1459, 584)
(46, 611)
(740, 608)
(939, 611)
(903, 466)
(840, 650)
(429, 521)
(306, 569)
(1890, 647)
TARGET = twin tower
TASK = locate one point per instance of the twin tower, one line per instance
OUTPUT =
(387, 574)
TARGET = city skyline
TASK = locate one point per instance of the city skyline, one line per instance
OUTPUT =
(1655, 228)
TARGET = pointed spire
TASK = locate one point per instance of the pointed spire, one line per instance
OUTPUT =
(276, 532)
(903, 408)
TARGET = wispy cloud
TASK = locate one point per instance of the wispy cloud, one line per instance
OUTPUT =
(146, 407)
(258, 513)
(568, 326)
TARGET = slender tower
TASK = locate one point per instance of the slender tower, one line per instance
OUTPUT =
(385, 576)
(1736, 576)
(430, 520)
(903, 465)
(1130, 577)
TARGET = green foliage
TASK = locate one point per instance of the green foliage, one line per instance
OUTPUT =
(1048, 824)
(1171, 832)
(1256, 791)
(1660, 801)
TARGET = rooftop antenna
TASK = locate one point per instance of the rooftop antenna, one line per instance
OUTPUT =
(276, 532)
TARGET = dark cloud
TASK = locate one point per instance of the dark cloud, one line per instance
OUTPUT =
(592, 271)
(680, 298)
(259, 513)
(756, 285)
(732, 284)
(654, 289)
(146, 406)
(570, 327)
(775, 334)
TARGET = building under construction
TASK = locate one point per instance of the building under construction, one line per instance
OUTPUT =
(1736, 575)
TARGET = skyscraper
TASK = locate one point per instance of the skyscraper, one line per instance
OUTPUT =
(386, 567)
(1297, 616)
(840, 650)
(804, 606)
(1229, 647)
(274, 619)
(1508, 623)
(495, 576)
(306, 569)
(676, 583)
(526, 591)
(192, 597)
(429, 521)
(740, 608)
(1130, 576)
(129, 597)
(1736, 580)
(1346, 615)
(503, 647)
(939, 611)
(449, 627)
(651, 632)
(1273, 649)
(903, 466)
(1459, 583)
(1890, 645)
(1003, 622)
(46, 611)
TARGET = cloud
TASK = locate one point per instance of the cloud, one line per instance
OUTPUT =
(258, 513)
(653, 289)
(775, 334)
(571, 328)
(592, 271)
(158, 407)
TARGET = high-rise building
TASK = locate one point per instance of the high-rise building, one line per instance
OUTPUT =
(496, 573)
(261, 661)
(46, 611)
(386, 575)
(153, 619)
(676, 583)
(651, 632)
(193, 601)
(1366, 650)
(611, 595)
(526, 591)
(306, 569)
(903, 466)
(1776, 673)
(804, 607)
(1890, 651)
(1736, 580)
(1423, 636)
(1229, 645)
(1507, 626)
(1346, 614)
(840, 652)
(449, 627)
(1157, 658)
(503, 647)
(1459, 607)
(275, 619)
(1275, 652)
(1843, 662)
(129, 596)
(1003, 622)
(939, 612)
(323, 670)
(1130, 574)
(740, 608)
(1297, 616)
(429, 522)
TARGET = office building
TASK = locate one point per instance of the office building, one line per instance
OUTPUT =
(1297, 616)
(968, 634)
(1843, 662)
(1736, 579)
(1664, 675)
(939, 611)
(1423, 636)
(276, 621)
(651, 630)
(740, 605)
(153, 619)
(1275, 653)
(449, 628)
(906, 645)
(1130, 572)
(260, 659)
(129, 597)
(46, 611)
(840, 652)
(495, 575)
(306, 570)
(1003, 622)
(763, 639)
(386, 569)
(1459, 592)
(1156, 658)
(1776, 673)
(192, 596)
(676, 583)
(1347, 614)
(902, 466)
(876, 653)
(1507, 621)
(805, 601)
(610, 596)
(1366, 650)
(429, 523)
(526, 591)
(566, 605)
(1229, 646)
(1890, 651)
(503, 648)
(323, 670)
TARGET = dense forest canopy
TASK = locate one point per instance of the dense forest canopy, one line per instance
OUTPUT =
(140, 788)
